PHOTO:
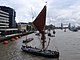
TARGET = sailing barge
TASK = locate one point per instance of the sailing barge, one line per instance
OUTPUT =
(39, 52)
(39, 23)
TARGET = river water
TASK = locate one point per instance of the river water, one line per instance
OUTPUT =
(68, 44)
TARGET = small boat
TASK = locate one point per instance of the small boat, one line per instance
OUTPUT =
(37, 34)
(27, 40)
(74, 29)
(50, 35)
(39, 23)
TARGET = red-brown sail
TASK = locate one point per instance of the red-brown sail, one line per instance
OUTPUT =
(39, 22)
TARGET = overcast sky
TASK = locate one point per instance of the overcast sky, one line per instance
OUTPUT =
(58, 11)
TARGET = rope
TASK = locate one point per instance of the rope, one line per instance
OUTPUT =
(56, 47)
(39, 40)
(48, 44)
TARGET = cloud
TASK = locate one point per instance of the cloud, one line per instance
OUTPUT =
(66, 14)
(65, 11)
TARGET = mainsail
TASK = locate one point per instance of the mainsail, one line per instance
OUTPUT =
(40, 20)
(39, 23)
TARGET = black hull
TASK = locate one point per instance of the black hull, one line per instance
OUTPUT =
(39, 52)
(37, 34)
(51, 35)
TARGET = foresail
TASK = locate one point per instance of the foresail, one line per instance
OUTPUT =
(40, 20)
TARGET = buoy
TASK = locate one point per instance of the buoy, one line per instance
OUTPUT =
(12, 39)
(16, 37)
(5, 42)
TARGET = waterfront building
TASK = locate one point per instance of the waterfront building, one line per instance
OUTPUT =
(7, 21)
(22, 26)
(25, 26)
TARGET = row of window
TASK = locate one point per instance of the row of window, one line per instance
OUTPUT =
(3, 15)
(3, 26)
(4, 21)
(4, 12)
(4, 18)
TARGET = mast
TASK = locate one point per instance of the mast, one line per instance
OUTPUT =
(39, 23)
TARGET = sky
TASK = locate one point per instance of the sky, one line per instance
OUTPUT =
(58, 11)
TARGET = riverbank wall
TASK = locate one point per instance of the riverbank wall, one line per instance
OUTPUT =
(8, 37)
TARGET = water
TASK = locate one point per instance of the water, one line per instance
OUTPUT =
(68, 44)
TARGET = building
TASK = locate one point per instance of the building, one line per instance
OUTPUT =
(25, 26)
(11, 15)
(7, 20)
(22, 26)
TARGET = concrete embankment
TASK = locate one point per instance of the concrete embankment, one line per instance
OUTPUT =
(8, 37)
